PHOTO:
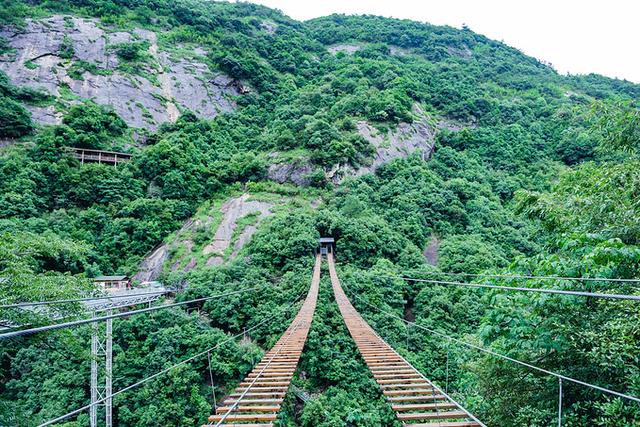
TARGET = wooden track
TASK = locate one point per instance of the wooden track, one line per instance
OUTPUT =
(416, 401)
(256, 401)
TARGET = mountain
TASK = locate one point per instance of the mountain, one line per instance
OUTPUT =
(422, 149)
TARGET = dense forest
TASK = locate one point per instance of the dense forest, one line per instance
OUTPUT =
(533, 173)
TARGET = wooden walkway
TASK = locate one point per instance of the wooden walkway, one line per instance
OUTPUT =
(256, 401)
(99, 156)
(416, 401)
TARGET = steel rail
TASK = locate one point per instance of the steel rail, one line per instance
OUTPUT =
(65, 301)
(115, 316)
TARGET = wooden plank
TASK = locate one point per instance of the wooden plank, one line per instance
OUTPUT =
(244, 417)
(425, 398)
(432, 415)
(253, 401)
(442, 424)
(423, 407)
(246, 408)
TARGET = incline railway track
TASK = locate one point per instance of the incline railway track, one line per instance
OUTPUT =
(416, 401)
(256, 401)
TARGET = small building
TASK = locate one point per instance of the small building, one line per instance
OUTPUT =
(113, 283)
(327, 245)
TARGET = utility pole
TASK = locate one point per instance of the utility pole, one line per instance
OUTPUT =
(101, 349)
(108, 408)
(93, 411)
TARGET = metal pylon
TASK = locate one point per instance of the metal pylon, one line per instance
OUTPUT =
(101, 349)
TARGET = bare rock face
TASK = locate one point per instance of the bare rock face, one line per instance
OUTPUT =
(192, 85)
(455, 126)
(296, 173)
(398, 51)
(346, 48)
(404, 140)
(45, 115)
(431, 251)
(151, 266)
(143, 101)
(130, 96)
(191, 265)
(351, 48)
(153, 263)
(232, 211)
(463, 52)
(269, 27)
(36, 62)
(214, 260)
(401, 142)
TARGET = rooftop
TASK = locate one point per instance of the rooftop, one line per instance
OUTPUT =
(110, 278)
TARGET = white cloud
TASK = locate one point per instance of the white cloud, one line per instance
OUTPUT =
(578, 37)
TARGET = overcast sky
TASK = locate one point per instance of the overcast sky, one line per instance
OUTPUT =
(579, 37)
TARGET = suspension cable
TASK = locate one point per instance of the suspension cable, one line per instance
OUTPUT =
(533, 277)
(523, 289)
(501, 356)
(64, 301)
(170, 368)
(117, 315)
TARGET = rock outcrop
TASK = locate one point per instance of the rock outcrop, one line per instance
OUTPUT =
(232, 211)
(404, 140)
(400, 142)
(151, 267)
(143, 100)
(346, 48)
(296, 172)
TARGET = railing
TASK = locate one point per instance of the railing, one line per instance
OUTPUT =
(100, 156)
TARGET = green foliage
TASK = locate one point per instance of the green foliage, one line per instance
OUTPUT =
(596, 201)
(91, 125)
(78, 68)
(619, 125)
(506, 124)
(38, 268)
(15, 120)
(66, 48)
(132, 51)
(12, 12)
(4, 46)
(143, 346)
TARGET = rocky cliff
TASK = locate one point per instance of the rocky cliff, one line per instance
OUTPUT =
(75, 58)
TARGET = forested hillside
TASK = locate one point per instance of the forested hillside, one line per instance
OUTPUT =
(421, 149)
